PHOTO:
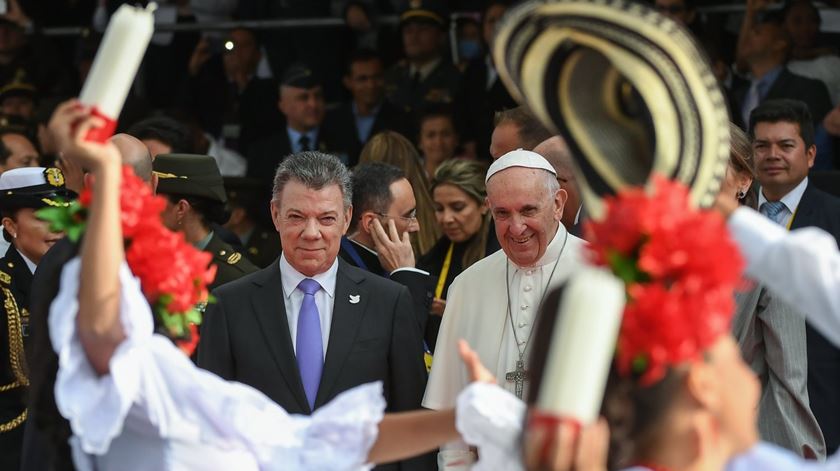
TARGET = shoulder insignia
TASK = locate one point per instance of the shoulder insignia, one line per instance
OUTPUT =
(234, 258)
(253, 250)
(5, 278)
(54, 176)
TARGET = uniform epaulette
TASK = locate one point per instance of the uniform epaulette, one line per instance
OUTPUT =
(232, 257)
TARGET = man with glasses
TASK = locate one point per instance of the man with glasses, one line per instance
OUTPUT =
(384, 217)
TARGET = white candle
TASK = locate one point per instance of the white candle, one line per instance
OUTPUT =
(582, 346)
(116, 64)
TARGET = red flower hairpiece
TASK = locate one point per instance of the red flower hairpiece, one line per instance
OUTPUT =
(681, 269)
(173, 274)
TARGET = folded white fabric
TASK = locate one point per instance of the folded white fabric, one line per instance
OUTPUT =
(491, 419)
(155, 397)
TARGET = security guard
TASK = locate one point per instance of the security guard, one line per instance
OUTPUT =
(23, 191)
(426, 75)
(196, 199)
(250, 219)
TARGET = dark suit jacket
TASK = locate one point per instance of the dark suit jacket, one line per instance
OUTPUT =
(245, 337)
(46, 434)
(787, 85)
(419, 285)
(819, 209)
(342, 121)
(215, 101)
(478, 105)
(265, 154)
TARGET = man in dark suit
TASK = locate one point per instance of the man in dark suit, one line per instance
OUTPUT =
(367, 113)
(310, 325)
(783, 141)
(482, 93)
(426, 76)
(763, 47)
(223, 91)
(384, 215)
(302, 104)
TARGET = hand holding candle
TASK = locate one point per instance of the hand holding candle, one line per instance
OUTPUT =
(582, 347)
(115, 66)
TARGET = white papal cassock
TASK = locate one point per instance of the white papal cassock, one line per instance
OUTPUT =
(476, 310)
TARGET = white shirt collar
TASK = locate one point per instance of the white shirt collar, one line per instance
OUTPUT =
(29, 263)
(553, 251)
(291, 278)
(359, 244)
(790, 200)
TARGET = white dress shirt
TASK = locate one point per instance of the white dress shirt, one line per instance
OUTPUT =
(802, 267)
(293, 298)
(790, 200)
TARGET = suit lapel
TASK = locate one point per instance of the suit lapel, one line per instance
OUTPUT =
(346, 319)
(779, 86)
(271, 314)
(804, 215)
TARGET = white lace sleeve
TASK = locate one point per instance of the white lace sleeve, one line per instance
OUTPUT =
(96, 405)
(491, 419)
(155, 388)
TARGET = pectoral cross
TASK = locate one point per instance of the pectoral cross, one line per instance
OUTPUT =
(518, 376)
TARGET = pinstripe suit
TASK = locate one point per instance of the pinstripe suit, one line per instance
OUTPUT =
(773, 341)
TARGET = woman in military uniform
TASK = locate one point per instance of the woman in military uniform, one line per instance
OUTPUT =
(22, 192)
(196, 200)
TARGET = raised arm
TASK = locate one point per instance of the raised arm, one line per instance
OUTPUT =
(98, 321)
(802, 267)
(406, 434)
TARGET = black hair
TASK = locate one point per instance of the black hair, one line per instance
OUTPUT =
(372, 189)
(786, 110)
(361, 55)
(633, 412)
(5, 153)
(211, 211)
(164, 129)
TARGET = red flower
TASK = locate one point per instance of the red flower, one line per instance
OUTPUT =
(681, 268)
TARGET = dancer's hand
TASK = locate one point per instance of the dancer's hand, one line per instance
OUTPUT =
(70, 125)
(566, 448)
(478, 373)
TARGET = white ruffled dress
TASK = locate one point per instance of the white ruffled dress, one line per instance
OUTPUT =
(157, 411)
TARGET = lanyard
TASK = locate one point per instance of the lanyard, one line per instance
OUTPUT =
(792, 217)
(444, 271)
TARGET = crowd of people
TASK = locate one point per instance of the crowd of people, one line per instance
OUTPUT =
(369, 197)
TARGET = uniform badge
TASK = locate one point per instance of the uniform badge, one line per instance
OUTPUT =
(234, 258)
(54, 176)
(5, 278)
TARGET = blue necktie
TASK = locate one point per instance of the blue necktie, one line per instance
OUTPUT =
(309, 349)
(773, 210)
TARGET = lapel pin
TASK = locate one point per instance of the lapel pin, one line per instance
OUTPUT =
(354, 298)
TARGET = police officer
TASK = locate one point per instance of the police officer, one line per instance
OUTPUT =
(23, 191)
(196, 200)
(426, 75)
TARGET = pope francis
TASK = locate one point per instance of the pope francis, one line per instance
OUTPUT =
(493, 304)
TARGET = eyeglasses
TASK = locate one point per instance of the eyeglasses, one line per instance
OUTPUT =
(407, 219)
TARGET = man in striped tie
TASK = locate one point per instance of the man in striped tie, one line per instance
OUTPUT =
(783, 142)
